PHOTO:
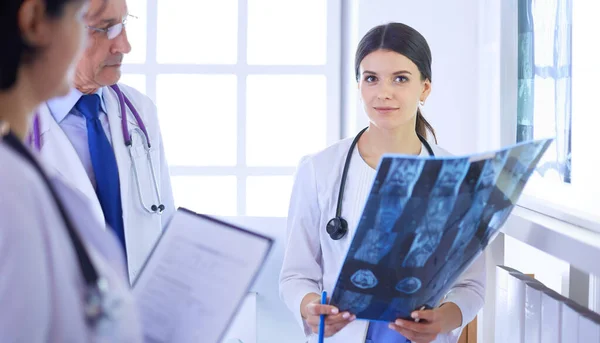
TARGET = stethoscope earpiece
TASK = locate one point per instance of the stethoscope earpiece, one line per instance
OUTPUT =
(158, 209)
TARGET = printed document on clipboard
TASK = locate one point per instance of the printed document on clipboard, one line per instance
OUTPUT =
(196, 278)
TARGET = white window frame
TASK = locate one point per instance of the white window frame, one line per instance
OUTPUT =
(331, 70)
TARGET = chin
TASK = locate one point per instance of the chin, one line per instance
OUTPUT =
(387, 124)
(109, 76)
(391, 123)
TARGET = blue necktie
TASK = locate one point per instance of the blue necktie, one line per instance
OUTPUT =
(104, 164)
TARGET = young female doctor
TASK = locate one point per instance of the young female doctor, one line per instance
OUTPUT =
(393, 71)
(63, 277)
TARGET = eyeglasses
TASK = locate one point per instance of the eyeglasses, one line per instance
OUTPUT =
(115, 30)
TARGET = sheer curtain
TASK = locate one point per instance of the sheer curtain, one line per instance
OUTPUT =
(544, 94)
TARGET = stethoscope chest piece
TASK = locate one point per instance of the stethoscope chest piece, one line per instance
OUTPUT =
(337, 228)
(103, 308)
(94, 304)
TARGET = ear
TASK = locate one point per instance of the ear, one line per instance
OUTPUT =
(426, 90)
(34, 23)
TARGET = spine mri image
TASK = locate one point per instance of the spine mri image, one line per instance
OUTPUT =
(425, 221)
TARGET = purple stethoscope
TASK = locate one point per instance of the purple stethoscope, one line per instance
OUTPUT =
(141, 132)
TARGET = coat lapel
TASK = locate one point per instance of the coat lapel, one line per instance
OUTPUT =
(59, 156)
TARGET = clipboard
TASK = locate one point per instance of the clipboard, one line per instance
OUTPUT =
(196, 278)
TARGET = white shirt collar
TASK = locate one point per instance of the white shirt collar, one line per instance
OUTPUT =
(61, 106)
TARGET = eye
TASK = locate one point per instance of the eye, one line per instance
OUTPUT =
(370, 78)
(401, 79)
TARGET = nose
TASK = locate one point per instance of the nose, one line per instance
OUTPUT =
(384, 91)
(121, 43)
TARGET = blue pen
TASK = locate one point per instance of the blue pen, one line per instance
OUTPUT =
(322, 321)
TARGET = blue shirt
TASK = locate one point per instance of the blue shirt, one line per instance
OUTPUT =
(73, 124)
(379, 332)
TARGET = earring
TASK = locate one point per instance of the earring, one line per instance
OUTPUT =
(422, 102)
(4, 128)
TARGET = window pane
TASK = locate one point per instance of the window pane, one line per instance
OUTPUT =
(213, 195)
(544, 25)
(197, 31)
(268, 196)
(564, 106)
(287, 32)
(544, 123)
(136, 31)
(198, 117)
(586, 121)
(286, 118)
(544, 106)
(137, 81)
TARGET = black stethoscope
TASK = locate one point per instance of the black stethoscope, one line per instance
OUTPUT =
(338, 226)
(97, 287)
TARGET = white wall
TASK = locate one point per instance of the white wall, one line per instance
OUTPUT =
(267, 319)
(451, 29)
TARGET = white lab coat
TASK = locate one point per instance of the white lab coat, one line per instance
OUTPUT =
(41, 285)
(141, 228)
(312, 260)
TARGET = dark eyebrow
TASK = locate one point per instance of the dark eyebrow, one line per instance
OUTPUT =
(400, 72)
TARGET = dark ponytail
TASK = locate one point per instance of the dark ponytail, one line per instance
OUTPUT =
(422, 126)
(406, 41)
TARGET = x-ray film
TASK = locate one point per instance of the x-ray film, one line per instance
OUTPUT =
(425, 221)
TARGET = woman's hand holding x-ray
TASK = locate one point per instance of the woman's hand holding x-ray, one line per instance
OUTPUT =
(431, 323)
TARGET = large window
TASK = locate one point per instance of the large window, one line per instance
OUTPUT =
(557, 98)
(244, 88)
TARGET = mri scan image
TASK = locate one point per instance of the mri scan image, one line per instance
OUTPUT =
(425, 221)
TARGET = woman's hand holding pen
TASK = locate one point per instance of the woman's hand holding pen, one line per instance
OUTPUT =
(312, 309)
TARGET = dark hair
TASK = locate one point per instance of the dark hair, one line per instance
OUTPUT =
(406, 41)
(15, 50)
